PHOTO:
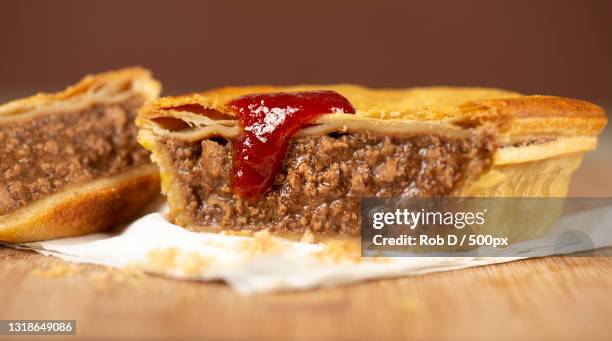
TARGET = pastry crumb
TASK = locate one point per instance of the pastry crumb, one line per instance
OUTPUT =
(119, 275)
(55, 271)
(129, 275)
(336, 251)
(307, 237)
(262, 242)
(162, 260)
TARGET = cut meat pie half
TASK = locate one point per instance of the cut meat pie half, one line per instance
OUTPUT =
(299, 158)
(70, 161)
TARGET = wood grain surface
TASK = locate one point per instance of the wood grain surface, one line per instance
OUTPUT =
(550, 298)
(546, 298)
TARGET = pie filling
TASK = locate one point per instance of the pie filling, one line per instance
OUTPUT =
(321, 178)
(45, 153)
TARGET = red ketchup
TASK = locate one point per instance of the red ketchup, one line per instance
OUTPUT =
(268, 123)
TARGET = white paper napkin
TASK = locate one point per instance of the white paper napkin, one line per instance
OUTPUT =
(255, 264)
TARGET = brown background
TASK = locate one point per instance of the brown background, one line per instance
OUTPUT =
(561, 48)
(547, 47)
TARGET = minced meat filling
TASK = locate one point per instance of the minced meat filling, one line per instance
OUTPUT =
(43, 154)
(323, 178)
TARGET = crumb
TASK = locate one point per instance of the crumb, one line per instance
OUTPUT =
(262, 242)
(131, 271)
(130, 275)
(308, 237)
(162, 260)
(337, 251)
(214, 243)
(55, 271)
(191, 262)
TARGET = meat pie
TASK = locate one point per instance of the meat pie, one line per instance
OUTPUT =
(292, 159)
(70, 162)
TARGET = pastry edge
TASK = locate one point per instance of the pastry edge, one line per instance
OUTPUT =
(82, 208)
(88, 91)
(515, 115)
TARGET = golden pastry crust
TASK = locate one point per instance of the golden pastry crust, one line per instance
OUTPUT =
(133, 80)
(97, 204)
(84, 208)
(413, 103)
(516, 115)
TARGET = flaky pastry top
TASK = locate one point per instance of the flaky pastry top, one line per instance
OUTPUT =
(447, 108)
(104, 88)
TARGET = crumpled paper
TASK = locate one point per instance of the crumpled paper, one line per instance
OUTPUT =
(249, 264)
